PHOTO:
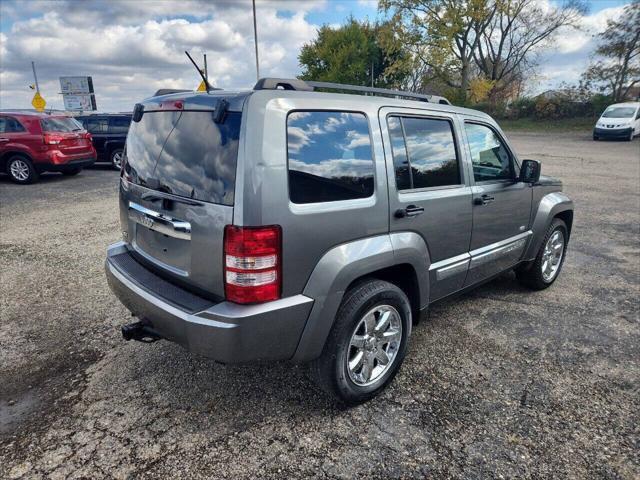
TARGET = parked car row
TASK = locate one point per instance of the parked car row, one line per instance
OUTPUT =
(32, 143)
(109, 133)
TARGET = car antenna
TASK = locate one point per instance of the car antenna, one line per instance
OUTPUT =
(204, 79)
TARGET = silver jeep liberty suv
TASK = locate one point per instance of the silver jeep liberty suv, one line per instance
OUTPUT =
(290, 223)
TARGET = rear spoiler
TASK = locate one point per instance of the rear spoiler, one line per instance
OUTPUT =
(169, 91)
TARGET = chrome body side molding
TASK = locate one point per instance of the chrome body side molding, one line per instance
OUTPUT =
(497, 257)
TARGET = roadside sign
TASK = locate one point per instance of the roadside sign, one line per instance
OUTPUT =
(38, 102)
(202, 87)
(77, 93)
(80, 102)
(76, 85)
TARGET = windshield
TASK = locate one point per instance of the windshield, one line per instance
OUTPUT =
(619, 112)
(185, 153)
(60, 124)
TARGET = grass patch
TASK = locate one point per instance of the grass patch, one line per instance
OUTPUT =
(560, 125)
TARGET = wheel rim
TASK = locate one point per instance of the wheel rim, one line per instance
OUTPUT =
(19, 170)
(117, 159)
(552, 255)
(374, 345)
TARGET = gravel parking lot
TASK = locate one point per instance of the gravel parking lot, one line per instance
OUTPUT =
(501, 382)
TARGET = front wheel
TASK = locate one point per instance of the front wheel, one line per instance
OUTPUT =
(544, 270)
(630, 138)
(116, 158)
(367, 343)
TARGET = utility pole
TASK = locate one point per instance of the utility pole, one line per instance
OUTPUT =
(255, 39)
(206, 70)
(35, 77)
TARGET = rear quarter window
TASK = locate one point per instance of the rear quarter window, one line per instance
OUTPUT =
(329, 156)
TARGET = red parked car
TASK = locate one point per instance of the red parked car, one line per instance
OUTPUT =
(32, 143)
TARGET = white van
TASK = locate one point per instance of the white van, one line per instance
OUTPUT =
(620, 120)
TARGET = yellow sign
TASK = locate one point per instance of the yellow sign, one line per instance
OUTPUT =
(202, 87)
(38, 102)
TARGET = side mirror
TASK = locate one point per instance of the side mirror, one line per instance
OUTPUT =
(530, 171)
(138, 111)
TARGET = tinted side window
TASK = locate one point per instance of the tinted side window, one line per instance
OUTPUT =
(330, 156)
(96, 125)
(490, 158)
(119, 124)
(10, 125)
(424, 152)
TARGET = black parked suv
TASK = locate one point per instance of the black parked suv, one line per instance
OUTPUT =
(109, 132)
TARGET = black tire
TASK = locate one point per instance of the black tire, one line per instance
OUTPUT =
(531, 274)
(595, 138)
(330, 370)
(71, 171)
(21, 170)
(630, 138)
(115, 157)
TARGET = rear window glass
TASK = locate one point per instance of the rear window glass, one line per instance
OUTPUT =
(119, 124)
(96, 125)
(185, 153)
(60, 124)
(330, 156)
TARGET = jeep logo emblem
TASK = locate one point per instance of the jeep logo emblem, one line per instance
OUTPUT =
(146, 221)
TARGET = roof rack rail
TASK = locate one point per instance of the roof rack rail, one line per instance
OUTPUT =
(285, 83)
(296, 84)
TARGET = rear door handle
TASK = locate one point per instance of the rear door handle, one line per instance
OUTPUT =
(483, 200)
(410, 211)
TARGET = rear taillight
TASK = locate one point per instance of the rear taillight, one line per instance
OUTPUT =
(252, 263)
(51, 139)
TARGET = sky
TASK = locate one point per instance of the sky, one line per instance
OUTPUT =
(132, 48)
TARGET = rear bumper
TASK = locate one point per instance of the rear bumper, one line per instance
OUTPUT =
(612, 133)
(224, 331)
(59, 167)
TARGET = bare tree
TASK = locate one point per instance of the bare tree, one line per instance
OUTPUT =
(619, 70)
(496, 40)
(506, 48)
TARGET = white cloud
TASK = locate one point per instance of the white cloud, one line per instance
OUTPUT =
(133, 48)
(572, 40)
(572, 48)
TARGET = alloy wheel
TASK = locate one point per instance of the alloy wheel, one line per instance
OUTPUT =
(19, 170)
(374, 345)
(552, 255)
(116, 158)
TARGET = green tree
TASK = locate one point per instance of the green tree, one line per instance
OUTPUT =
(442, 34)
(348, 54)
(618, 69)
